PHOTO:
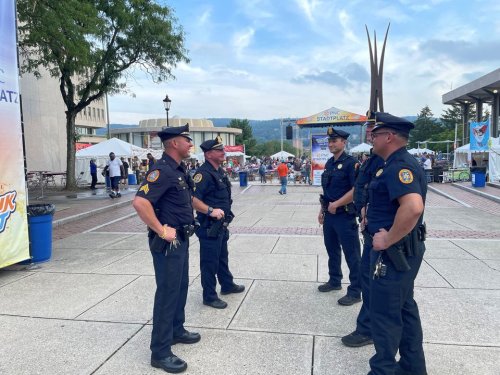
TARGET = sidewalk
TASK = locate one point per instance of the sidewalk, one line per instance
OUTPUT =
(89, 309)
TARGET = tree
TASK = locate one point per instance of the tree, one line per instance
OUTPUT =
(92, 45)
(425, 127)
(246, 137)
(272, 147)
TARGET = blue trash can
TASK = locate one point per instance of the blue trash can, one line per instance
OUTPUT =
(40, 231)
(132, 180)
(243, 178)
(478, 176)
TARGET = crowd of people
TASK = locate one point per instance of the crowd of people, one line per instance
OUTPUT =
(384, 193)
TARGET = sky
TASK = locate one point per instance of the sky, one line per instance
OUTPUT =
(267, 59)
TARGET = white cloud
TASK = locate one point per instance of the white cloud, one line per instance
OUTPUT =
(242, 40)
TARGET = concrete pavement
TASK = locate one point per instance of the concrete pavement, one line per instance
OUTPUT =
(89, 309)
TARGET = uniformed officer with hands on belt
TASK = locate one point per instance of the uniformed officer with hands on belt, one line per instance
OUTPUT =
(362, 335)
(394, 219)
(212, 200)
(338, 217)
(164, 204)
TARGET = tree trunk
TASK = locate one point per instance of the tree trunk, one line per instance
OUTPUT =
(70, 150)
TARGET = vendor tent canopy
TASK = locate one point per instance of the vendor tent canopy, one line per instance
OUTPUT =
(494, 162)
(100, 152)
(463, 155)
(331, 117)
(420, 151)
(360, 149)
(282, 155)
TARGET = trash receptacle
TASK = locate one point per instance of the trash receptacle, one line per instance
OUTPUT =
(478, 176)
(243, 178)
(132, 180)
(40, 231)
(437, 173)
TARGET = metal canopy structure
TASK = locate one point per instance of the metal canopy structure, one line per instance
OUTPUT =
(331, 117)
(485, 89)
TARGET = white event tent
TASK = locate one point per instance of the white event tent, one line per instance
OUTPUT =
(463, 158)
(420, 151)
(282, 155)
(100, 152)
(363, 148)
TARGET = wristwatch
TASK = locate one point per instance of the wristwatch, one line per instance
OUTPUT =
(210, 210)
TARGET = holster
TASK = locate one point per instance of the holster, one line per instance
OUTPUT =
(156, 243)
(396, 254)
(216, 227)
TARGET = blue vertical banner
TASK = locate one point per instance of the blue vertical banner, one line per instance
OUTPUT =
(14, 242)
(320, 153)
(479, 135)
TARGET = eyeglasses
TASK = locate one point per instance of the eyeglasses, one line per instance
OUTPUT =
(375, 135)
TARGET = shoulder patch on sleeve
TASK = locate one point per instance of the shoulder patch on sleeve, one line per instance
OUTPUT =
(153, 175)
(405, 176)
(145, 189)
(197, 178)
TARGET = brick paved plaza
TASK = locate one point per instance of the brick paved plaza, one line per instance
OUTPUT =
(88, 310)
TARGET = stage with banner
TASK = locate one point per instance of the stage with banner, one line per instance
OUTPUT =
(14, 243)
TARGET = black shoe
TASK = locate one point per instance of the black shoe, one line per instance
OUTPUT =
(187, 338)
(235, 289)
(112, 195)
(170, 364)
(348, 300)
(356, 340)
(216, 303)
(327, 287)
(118, 195)
(280, 192)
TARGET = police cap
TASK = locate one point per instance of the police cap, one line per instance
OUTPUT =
(333, 133)
(212, 144)
(386, 120)
(171, 132)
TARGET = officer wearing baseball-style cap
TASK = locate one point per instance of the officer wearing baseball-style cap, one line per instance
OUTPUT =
(167, 133)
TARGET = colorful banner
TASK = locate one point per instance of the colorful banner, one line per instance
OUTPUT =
(479, 135)
(237, 148)
(14, 243)
(332, 116)
(319, 156)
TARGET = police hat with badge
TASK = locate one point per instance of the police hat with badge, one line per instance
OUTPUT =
(386, 120)
(335, 133)
(176, 131)
(212, 144)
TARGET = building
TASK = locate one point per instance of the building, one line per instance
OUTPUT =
(44, 121)
(145, 135)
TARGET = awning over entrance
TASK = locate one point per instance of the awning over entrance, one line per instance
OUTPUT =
(331, 117)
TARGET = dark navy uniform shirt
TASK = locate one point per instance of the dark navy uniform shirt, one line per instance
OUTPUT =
(339, 176)
(400, 175)
(168, 188)
(212, 187)
(365, 174)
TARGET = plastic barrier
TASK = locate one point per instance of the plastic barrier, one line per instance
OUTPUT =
(243, 178)
(40, 231)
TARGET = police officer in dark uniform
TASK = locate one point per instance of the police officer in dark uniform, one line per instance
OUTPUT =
(362, 335)
(212, 200)
(395, 214)
(338, 217)
(164, 203)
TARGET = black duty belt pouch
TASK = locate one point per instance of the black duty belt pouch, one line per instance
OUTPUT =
(396, 254)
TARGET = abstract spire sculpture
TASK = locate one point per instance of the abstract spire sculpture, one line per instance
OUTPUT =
(376, 95)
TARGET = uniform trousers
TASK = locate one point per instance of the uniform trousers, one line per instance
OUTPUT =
(365, 274)
(394, 317)
(214, 261)
(171, 274)
(340, 231)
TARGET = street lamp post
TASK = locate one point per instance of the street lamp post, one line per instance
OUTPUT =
(166, 104)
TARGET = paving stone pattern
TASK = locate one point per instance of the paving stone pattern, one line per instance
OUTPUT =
(89, 309)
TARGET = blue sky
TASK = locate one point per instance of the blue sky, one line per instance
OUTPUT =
(265, 59)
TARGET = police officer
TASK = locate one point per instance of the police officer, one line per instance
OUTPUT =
(164, 203)
(395, 212)
(338, 217)
(362, 335)
(212, 201)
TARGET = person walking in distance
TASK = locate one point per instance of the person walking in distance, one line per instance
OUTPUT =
(283, 176)
(115, 168)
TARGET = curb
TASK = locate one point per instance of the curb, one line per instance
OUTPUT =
(69, 219)
(477, 192)
(437, 191)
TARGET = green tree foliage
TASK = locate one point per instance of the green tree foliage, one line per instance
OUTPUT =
(92, 46)
(271, 147)
(426, 127)
(246, 137)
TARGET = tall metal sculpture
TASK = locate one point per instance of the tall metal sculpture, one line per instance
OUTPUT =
(376, 95)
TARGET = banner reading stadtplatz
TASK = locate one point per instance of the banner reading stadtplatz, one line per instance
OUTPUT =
(14, 242)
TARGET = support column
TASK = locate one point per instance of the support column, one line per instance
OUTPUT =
(494, 114)
(465, 123)
(479, 110)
